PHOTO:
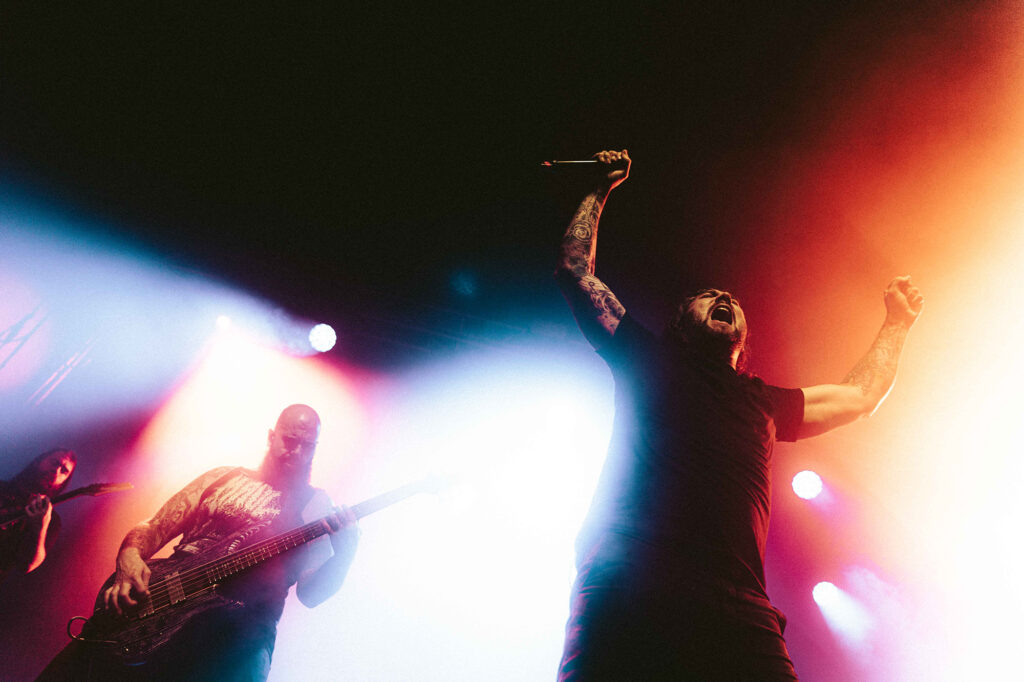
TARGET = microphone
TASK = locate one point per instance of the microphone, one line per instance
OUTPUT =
(552, 164)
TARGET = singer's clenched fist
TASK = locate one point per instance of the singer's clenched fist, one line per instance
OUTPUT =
(903, 301)
(614, 166)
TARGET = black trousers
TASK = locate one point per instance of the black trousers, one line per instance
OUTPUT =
(631, 619)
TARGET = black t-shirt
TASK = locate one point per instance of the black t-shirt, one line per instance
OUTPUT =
(688, 468)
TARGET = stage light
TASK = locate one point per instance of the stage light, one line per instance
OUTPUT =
(846, 616)
(825, 594)
(322, 337)
(223, 322)
(807, 485)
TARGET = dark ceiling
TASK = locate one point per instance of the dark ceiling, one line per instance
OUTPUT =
(342, 159)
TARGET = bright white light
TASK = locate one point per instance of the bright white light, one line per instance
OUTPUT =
(67, 294)
(223, 322)
(846, 617)
(526, 430)
(807, 485)
(825, 594)
(322, 337)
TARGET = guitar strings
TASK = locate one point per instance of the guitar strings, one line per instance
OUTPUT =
(199, 576)
(193, 580)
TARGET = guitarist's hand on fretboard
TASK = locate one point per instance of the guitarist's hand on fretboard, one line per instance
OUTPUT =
(343, 526)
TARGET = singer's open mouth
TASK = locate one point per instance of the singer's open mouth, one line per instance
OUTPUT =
(722, 313)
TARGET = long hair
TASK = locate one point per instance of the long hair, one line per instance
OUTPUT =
(28, 478)
(679, 331)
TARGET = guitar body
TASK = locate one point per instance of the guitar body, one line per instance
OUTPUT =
(183, 586)
(134, 638)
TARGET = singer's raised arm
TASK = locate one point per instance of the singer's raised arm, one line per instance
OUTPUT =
(595, 307)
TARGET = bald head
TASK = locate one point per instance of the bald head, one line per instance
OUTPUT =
(298, 414)
(291, 445)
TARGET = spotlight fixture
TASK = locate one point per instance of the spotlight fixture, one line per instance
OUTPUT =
(807, 485)
(322, 337)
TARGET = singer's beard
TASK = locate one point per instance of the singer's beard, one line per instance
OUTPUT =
(697, 338)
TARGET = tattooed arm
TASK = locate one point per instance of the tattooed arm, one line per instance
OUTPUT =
(865, 387)
(132, 575)
(595, 307)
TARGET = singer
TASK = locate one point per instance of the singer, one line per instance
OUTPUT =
(670, 562)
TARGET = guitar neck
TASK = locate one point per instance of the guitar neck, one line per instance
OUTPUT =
(375, 504)
(17, 511)
(63, 497)
(11, 515)
(202, 577)
(233, 563)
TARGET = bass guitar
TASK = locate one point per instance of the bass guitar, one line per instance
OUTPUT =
(182, 587)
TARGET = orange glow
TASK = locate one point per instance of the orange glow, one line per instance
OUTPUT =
(221, 413)
(917, 170)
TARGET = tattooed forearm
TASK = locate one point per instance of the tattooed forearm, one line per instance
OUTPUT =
(604, 302)
(151, 535)
(596, 308)
(140, 538)
(876, 371)
(579, 245)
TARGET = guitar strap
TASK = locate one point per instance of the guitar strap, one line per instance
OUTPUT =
(210, 489)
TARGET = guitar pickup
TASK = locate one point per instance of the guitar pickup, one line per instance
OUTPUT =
(175, 592)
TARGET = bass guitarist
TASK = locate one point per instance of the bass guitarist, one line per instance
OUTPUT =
(233, 639)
